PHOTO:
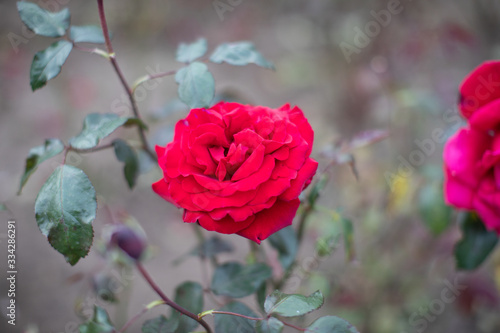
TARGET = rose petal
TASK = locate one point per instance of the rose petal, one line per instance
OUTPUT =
(480, 87)
(248, 138)
(486, 118)
(226, 225)
(239, 214)
(269, 189)
(271, 220)
(161, 188)
(252, 164)
(457, 193)
(303, 179)
(297, 156)
(488, 208)
(462, 153)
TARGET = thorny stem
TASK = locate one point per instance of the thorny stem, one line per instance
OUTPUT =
(128, 90)
(170, 303)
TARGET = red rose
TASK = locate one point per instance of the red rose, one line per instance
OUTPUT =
(472, 155)
(480, 87)
(238, 168)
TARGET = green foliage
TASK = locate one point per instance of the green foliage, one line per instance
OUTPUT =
(64, 209)
(228, 323)
(104, 287)
(96, 126)
(135, 122)
(435, 213)
(211, 247)
(239, 54)
(285, 242)
(348, 233)
(476, 243)
(3, 207)
(42, 22)
(190, 52)
(292, 305)
(189, 295)
(99, 323)
(160, 325)
(331, 324)
(47, 64)
(235, 280)
(316, 190)
(124, 153)
(86, 34)
(270, 325)
(37, 155)
(261, 295)
(196, 85)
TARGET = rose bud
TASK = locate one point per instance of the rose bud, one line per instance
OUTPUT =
(128, 241)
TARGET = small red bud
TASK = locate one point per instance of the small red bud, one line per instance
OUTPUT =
(128, 241)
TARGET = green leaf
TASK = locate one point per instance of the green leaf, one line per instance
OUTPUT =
(285, 242)
(260, 295)
(271, 325)
(135, 122)
(127, 155)
(317, 189)
(190, 52)
(331, 324)
(293, 305)
(104, 287)
(211, 247)
(348, 232)
(160, 325)
(47, 64)
(86, 34)
(235, 280)
(100, 322)
(476, 243)
(228, 323)
(433, 210)
(3, 208)
(42, 22)
(96, 126)
(64, 209)
(239, 54)
(189, 295)
(196, 85)
(37, 155)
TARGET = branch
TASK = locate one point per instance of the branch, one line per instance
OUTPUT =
(112, 58)
(170, 303)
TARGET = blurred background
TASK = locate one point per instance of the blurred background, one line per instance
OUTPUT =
(350, 67)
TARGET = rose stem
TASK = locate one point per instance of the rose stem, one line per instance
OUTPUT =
(112, 58)
(170, 303)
